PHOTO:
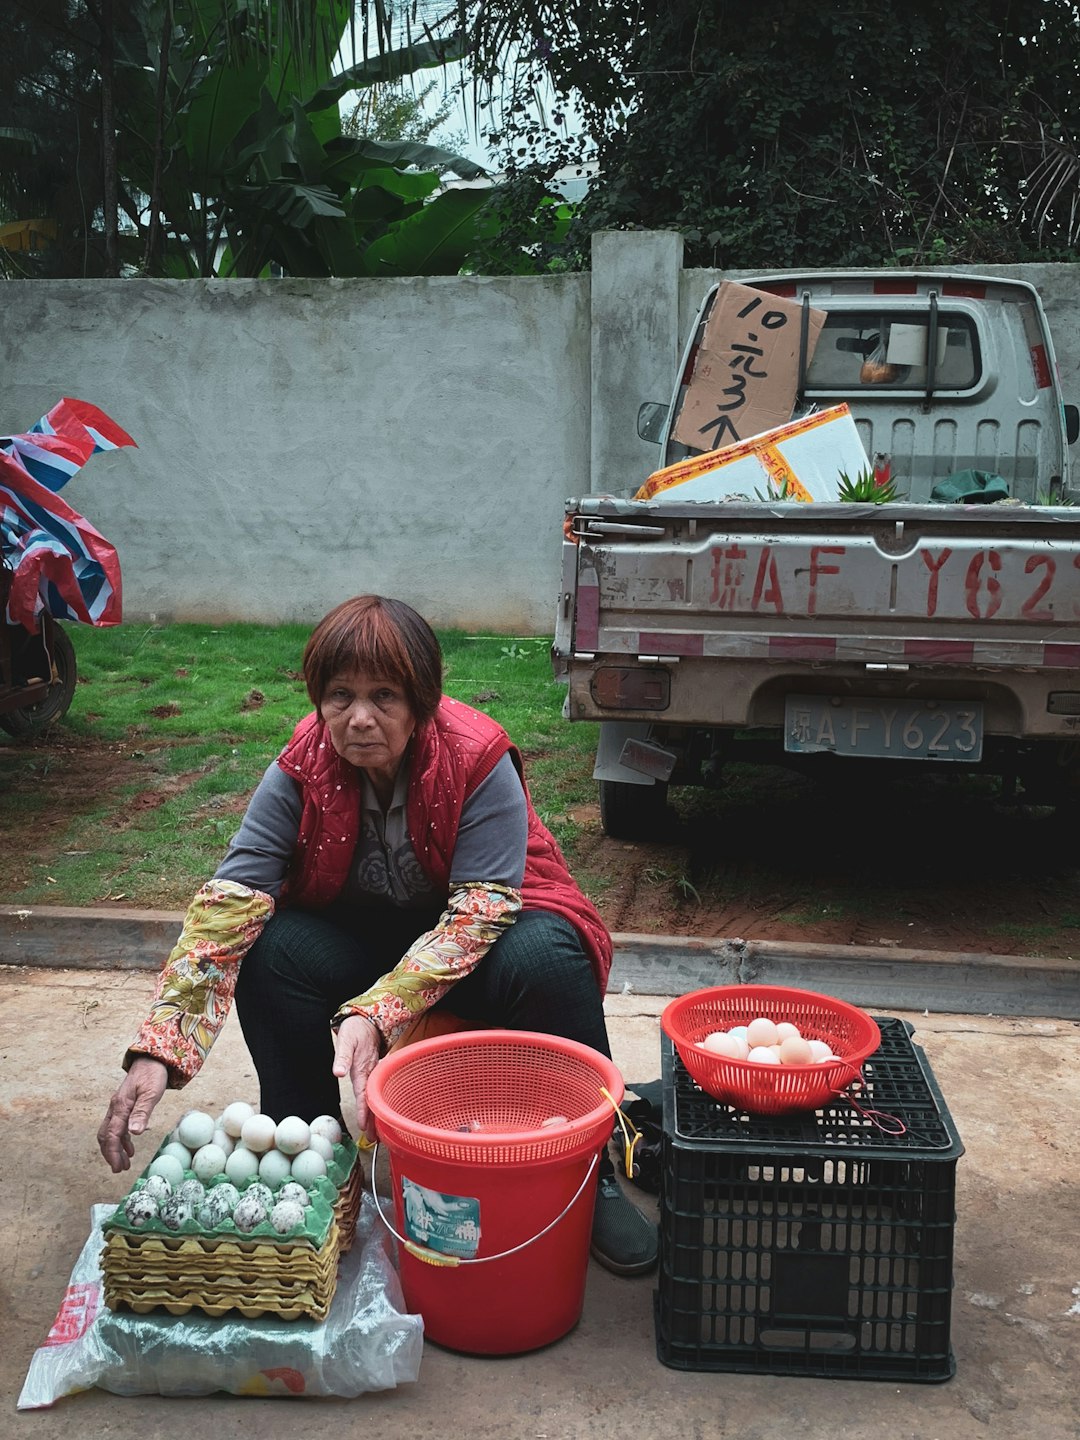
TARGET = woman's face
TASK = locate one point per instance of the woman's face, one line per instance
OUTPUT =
(370, 721)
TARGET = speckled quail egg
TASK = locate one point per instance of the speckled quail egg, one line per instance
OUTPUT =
(274, 1167)
(208, 1161)
(233, 1117)
(291, 1135)
(292, 1190)
(139, 1207)
(218, 1206)
(193, 1191)
(241, 1165)
(158, 1187)
(307, 1167)
(286, 1215)
(195, 1129)
(328, 1127)
(259, 1190)
(250, 1211)
(228, 1192)
(176, 1211)
(168, 1167)
(257, 1133)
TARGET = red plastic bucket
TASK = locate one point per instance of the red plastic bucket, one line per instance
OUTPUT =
(494, 1138)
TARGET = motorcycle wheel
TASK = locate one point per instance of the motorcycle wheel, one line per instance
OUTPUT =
(25, 724)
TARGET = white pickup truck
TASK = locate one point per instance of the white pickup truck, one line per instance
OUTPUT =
(843, 634)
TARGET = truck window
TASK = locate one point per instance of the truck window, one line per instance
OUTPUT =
(875, 350)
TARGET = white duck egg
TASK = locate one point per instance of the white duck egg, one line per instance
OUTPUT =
(322, 1146)
(794, 1050)
(250, 1211)
(760, 1032)
(286, 1215)
(257, 1133)
(785, 1030)
(195, 1130)
(168, 1167)
(307, 1168)
(274, 1167)
(763, 1055)
(291, 1190)
(233, 1117)
(327, 1127)
(241, 1165)
(719, 1042)
(224, 1139)
(820, 1051)
(178, 1152)
(158, 1187)
(208, 1161)
(291, 1135)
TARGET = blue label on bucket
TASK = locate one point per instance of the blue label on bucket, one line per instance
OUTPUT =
(449, 1224)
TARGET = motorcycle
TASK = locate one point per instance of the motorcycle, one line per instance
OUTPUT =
(38, 672)
(53, 564)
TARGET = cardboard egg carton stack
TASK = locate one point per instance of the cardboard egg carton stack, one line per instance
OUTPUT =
(288, 1277)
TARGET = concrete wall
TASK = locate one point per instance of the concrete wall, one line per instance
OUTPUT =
(301, 441)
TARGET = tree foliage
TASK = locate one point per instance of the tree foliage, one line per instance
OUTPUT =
(227, 154)
(794, 133)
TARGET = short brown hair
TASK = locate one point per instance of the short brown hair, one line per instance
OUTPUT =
(381, 637)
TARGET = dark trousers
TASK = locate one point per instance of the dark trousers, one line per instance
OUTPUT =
(305, 965)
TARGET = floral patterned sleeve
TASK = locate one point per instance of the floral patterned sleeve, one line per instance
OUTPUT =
(195, 988)
(474, 918)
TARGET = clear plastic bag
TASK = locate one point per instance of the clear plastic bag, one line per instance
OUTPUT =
(367, 1342)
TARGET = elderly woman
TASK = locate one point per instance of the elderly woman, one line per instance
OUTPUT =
(390, 864)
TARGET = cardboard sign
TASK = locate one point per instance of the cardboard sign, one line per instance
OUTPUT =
(801, 460)
(746, 375)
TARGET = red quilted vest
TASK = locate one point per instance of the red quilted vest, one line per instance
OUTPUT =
(452, 753)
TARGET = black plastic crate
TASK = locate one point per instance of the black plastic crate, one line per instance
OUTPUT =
(814, 1243)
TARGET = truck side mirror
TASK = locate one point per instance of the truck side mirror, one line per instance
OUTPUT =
(651, 419)
(1072, 423)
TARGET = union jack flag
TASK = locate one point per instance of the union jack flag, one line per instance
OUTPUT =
(61, 564)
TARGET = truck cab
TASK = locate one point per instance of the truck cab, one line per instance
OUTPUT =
(942, 374)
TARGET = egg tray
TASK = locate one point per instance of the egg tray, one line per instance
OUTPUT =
(319, 1213)
(179, 1274)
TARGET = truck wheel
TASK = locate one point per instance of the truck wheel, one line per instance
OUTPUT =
(632, 812)
(25, 724)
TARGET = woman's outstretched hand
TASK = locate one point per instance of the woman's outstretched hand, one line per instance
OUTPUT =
(130, 1109)
(356, 1053)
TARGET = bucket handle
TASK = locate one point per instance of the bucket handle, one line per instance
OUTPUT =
(435, 1257)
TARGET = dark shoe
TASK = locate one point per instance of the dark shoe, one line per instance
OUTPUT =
(623, 1240)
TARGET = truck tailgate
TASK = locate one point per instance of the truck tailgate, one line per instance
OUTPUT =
(984, 585)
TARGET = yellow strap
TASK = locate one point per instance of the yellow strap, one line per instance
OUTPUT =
(631, 1134)
(430, 1257)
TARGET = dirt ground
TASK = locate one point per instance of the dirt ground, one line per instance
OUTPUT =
(896, 861)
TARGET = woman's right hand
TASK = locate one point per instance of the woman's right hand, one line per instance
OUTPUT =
(130, 1109)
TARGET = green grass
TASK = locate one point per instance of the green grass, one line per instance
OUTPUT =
(194, 714)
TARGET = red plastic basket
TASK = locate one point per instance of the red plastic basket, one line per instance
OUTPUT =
(850, 1033)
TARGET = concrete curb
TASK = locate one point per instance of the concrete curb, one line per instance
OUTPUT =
(878, 977)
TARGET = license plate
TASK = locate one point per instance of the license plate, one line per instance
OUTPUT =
(893, 729)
